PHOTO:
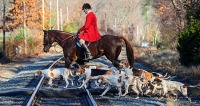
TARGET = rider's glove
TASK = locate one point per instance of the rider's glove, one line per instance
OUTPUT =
(77, 33)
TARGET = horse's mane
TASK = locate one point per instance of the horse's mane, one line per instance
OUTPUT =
(61, 32)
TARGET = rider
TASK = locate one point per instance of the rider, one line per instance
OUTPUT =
(89, 32)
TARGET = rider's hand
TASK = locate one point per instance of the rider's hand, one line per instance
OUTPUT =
(77, 33)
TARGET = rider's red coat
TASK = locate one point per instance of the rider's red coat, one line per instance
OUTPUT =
(89, 31)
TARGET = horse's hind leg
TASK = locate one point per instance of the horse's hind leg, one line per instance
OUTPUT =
(115, 63)
(115, 60)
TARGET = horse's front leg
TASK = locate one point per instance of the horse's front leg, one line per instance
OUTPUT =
(67, 62)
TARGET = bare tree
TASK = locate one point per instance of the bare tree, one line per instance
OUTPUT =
(24, 23)
(4, 28)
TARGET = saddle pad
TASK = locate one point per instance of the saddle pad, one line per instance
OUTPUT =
(79, 45)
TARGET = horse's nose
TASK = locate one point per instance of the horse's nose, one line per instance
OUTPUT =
(45, 50)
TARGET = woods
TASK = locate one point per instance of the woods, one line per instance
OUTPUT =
(189, 37)
(33, 16)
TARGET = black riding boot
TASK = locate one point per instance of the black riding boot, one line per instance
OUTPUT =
(87, 51)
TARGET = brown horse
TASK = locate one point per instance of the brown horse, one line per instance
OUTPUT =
(108, 45)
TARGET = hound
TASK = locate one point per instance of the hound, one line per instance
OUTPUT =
(91, 74)
(140, 72)
(170, 86)
(136, 83)
(53, 73)
(79, 68)
(116, 80)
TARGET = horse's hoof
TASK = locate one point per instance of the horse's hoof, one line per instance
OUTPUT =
(175, 100)
(124, 95)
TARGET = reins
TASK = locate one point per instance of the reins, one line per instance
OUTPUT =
(71, 35)
(70, 39)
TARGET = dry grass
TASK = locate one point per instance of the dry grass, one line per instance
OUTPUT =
(167, 61)
(15, 47)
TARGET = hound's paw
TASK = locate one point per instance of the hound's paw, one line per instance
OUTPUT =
(50, 84)
(160, 98)
(175, 99)
(136, 98)
(79, 87)
(48, 87)
(123, 95)
(101, 95)
(56, 85)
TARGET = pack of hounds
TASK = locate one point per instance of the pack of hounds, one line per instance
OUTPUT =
(126, 79)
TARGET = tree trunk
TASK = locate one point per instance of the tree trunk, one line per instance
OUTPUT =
(4, 27)
(25, 43)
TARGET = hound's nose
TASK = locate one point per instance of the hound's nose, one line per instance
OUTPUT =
(36, 75)
(120, 66)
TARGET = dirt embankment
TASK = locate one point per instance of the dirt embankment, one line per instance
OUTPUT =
(167, 61)
(9, 70)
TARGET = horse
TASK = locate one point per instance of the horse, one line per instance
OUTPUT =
(108, 45)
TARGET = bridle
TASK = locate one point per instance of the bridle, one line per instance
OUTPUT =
(46, 43)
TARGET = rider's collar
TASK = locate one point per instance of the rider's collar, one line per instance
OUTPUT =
(89, 11)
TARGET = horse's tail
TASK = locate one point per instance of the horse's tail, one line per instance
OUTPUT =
(129, 51)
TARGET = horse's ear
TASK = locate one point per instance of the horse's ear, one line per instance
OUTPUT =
(44, 30)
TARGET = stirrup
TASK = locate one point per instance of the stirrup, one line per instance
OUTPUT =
(87, 59)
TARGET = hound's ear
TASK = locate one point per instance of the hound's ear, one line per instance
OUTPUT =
(39, 72)
(120, 79)
(133, 79)
(157, 79)
(126, 64)
(97, 67)
(51, 75)
(87, 66)
(51, 69)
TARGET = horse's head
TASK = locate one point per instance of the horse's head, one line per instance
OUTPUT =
(47, 41)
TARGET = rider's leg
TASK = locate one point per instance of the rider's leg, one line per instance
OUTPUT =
(88, 54)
